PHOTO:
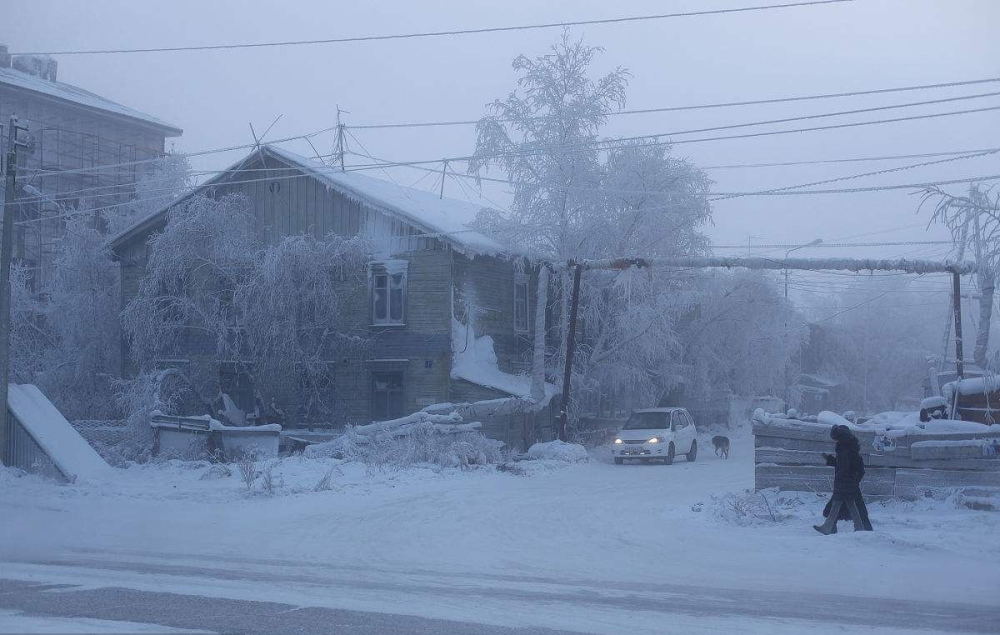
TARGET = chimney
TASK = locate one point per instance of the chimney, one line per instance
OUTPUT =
(41, 66)
(4, 56)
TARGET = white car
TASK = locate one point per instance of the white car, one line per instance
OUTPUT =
(656, 434)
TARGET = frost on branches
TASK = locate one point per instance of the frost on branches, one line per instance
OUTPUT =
(213, 291)
(578, 197)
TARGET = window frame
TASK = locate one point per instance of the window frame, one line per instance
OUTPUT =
(399, 392)
(377, 271)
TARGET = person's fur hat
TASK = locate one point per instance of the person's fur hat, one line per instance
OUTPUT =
(840, 433)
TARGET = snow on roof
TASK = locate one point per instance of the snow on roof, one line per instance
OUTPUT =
(445, 218)
(450, 219)
(79, 96)
(71, 454)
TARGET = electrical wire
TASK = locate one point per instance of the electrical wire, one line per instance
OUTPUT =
(615, 143)
(433, 34)
(729, 104)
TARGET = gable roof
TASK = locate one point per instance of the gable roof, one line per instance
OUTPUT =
(85, 98)
(444, 218)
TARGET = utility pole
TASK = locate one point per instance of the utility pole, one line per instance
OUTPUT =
(6, 252)
(570, 349)
(956, 286)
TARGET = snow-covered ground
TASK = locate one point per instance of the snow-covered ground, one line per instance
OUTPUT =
(581, 546)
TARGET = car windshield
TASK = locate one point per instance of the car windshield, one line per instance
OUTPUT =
(648, 421)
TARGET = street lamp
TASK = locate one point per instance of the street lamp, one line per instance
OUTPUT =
(809, 244)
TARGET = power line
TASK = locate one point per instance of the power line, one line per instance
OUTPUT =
(432, 34)
(610, 144)
(888, 157)
(873, 188)
(721, 195)
(778, 190)
(643, 111)
(63, 195)
(828, 245)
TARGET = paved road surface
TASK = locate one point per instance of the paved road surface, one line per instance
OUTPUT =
(393, 593)
(221, 615)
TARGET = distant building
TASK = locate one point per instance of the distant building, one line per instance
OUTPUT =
(72, 132)
(449, 316)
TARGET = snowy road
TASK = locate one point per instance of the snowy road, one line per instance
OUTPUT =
(589, 548)
(280, 589)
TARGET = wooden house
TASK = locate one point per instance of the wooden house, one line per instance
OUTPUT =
(449, 315)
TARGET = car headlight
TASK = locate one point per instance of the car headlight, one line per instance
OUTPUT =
(618, 441)
(655, 440)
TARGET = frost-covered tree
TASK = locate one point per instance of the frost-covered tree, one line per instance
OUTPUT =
(738, 334)
(213, 291)
(974, 222)
(167, 179)
(576, 196)
(291, 309)
(81, 317)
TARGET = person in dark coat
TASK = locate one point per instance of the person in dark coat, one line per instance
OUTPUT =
(848, 470)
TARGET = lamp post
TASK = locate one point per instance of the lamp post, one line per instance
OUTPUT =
(809, 244)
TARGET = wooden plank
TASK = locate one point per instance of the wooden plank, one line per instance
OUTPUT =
(809, 478)
(782, 456)
(920, 451)
(792, 444)
(917, 483)
(808, 432)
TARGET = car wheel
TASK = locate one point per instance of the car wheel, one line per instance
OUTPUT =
(619, 460)
(669, 459)
(693, 454)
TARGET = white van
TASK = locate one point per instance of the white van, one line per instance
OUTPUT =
(656, 434)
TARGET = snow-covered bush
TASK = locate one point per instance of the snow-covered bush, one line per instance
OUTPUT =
(558, 451)
(246, 465)
(423, 443)
(764, 507)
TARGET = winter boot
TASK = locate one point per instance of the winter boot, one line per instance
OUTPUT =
(830, 526)
(859, 524)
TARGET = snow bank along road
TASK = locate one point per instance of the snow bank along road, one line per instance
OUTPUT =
(589, 547)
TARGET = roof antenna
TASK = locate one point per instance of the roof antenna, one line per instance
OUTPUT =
(256, 140)
(276, 119)
(339, 151)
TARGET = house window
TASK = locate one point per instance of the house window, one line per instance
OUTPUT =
(387, 396)
(521, 305)
(388, 294)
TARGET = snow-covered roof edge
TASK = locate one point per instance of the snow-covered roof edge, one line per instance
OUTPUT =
(439, 217)
(80, 97)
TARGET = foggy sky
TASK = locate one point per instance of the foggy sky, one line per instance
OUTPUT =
(855, 46)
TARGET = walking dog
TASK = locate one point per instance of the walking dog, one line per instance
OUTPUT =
(721, 444)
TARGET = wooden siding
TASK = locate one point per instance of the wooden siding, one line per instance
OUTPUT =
(487, 285)
(286, 202)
